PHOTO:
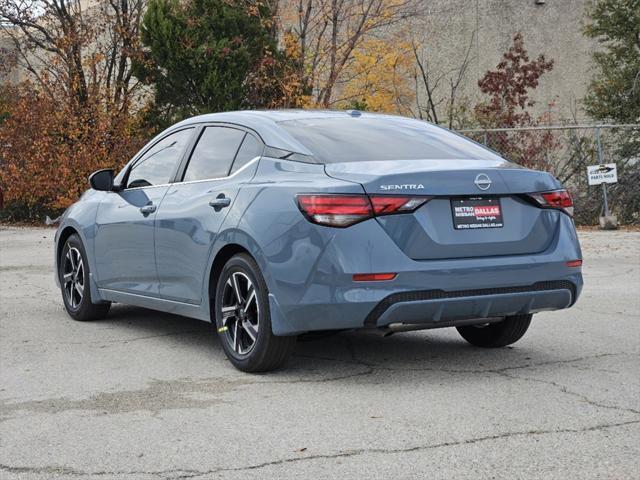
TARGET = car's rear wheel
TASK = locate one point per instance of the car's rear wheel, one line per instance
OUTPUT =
(73, 272)
(494, 335)
(243, 319)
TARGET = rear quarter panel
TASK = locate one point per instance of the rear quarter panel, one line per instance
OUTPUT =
(267, 222)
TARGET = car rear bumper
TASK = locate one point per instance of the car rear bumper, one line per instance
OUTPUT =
(440, 307)
(436, 292)
(410, 308)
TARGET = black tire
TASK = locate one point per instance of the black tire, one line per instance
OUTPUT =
(495, 335)
(246, 333)
(78, 305)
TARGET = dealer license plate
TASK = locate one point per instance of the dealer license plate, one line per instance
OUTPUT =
(476, 212)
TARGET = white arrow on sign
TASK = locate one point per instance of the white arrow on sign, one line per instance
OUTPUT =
(605, 173)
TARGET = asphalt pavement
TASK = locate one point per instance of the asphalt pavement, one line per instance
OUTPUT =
(147, 395)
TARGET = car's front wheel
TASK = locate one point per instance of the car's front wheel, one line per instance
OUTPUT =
(243, 319)
(500, 334)
(73, 272)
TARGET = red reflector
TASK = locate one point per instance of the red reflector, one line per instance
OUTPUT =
(574, 263)
(373, 277)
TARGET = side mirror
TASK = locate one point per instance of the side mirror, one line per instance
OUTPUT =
(102, 180)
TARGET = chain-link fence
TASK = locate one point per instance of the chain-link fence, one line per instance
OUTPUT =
(566, 151)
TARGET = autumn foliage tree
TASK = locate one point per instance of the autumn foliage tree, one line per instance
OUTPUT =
(76, 110)
(328, 35)
(381, 77)
(508, 99)
(48, 148)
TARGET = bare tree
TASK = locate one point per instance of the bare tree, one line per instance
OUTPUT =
(83, 51)
(123, 18)
(428, 84)
(432, 83)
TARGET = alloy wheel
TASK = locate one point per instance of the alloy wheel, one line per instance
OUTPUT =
(240, 313)
(73, 277)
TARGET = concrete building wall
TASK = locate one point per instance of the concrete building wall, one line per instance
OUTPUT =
(8, 73)
(551, 27)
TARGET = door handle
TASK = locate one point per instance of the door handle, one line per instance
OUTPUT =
(147, 209)
(220, 202)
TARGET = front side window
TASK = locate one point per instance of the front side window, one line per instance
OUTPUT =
(157, 165)
(214, 153)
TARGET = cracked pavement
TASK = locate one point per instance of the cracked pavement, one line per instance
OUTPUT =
(147, 395)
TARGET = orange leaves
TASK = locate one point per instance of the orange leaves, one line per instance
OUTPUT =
(47, 149)
(381, 76)
(330, 34)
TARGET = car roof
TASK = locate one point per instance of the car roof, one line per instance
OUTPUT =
(277, 115)
(265, 123)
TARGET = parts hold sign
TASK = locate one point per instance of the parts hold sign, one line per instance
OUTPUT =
(605, 173)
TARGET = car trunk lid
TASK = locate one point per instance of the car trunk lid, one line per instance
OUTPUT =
(439, 228)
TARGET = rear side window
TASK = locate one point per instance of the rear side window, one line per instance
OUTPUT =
(157, 165)
(365, 139)
(250, 149)
(214, 153)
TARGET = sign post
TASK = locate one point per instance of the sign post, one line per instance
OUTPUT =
(601, 175)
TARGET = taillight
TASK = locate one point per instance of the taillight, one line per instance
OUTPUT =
(346, 210)
(335, 210)
(559, 199)
(388, 204)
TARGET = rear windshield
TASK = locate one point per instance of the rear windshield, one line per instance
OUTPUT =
(365, 139)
